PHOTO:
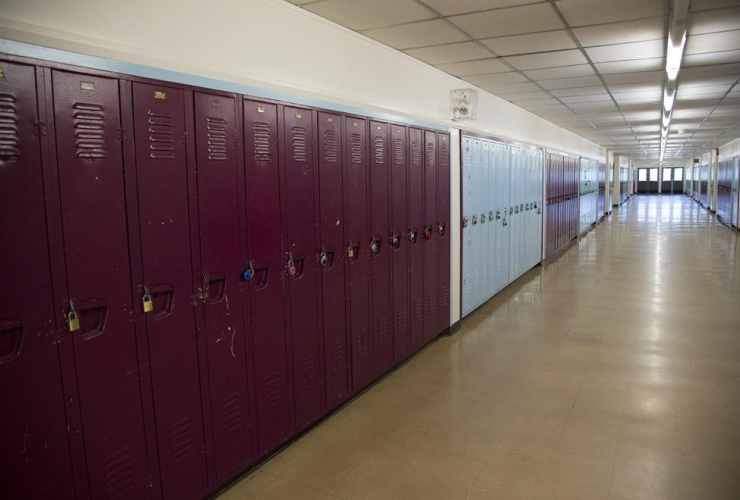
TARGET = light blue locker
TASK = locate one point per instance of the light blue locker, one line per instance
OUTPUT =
(483, 225)
(494, 154)
(503, 205)
(468, 264)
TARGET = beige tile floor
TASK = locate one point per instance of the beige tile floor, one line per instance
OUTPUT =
(613, 372)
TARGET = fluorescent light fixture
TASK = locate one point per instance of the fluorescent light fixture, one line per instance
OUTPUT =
(675, 54)
(668, 99)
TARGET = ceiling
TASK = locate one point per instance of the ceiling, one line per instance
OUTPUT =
(595, 67)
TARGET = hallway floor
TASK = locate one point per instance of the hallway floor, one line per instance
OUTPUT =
(613, 372)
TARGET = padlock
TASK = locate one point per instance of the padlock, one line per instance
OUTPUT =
(73, 320)
(147, 305)
(395, 240)
(374, 246)
(248, 273)
(323, 258)
(428, 233)
(412, 235)
(441, 228)
(351, 252)
(490, 215)
(292, 271)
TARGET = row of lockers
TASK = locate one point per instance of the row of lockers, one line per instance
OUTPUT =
(728, 180)
(192, 277)
(502, 216)
(562, 203)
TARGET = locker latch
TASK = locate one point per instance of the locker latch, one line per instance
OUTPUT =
(412, 235)
(516, 209)
(428, 233)
(521, 207)
(292, 270)
(323, 258)
(490, 215)
(147, 305)
(465, 222)
(475, 220)
(506, 223)
(482, 218)
(511, 210)
(395, 240)
(248, 273)
(374, 246)
(73, 319)
(498, 214)
(206, 281)
(441, 228)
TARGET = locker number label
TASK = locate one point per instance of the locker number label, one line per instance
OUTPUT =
(87, 86)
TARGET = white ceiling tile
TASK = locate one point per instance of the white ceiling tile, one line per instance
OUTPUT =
(713, 42)
(597, 89)
(647, 128)
(452, 7)
(545, 107)
(645, 96)
(727, 56)
(480, 67)
(451, 52)
(564, 83)
(538, 94)
(586, 98)
(642, 116)
(690, 113)
(627, 51)
(653, 28)
(687, 74)
(714, 20)
(497, 79)
(562, 72)
(536, 102)
(648, 76)
(653, 64)
(370, 14)
(511, 87)
(654, 87)
(700, 90)
(597, 105)
(527, 44)
(511, 21)
(547, 59)
(587, 12)
(421, 34)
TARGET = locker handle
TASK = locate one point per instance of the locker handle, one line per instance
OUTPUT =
(261, 274)
(11, 329)
(427, 232)
(482, 218)
(395, 240)
(490, 215)
(326, 258)
(216, 287)
(353, 251)
(475, 220)
(93, 312)
(375, 244)
(294, 265)
(441, 226)
(162, 297)
(412, 235)
(506, 223)
(498, 214)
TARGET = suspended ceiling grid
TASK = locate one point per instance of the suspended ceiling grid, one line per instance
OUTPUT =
(594, 67)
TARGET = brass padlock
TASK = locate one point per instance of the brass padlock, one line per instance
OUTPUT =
(73, 320)
(147, 304)
(351, 252)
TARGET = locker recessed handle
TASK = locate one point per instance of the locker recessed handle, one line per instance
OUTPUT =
(490, 215)
(92, 315)
(11, 331)
(326, 258)
(260, 275)
(353, 251)
(375, 244)
(427, 232)
(475, 220)
(465, 222)
(482, 218)
(216, 287)
(498, 214)
(294, 265)
(441, 226)
(161, 296)
(412, 235)
(395, 241)
(248, 273)
(506, 223)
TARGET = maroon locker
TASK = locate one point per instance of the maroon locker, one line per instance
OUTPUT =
(301, 263)
(398, 243)
(380, 262)
(356, 242)
(413, 239)
(35, 462)
(442, 234)
(430, 243)
(332, 259)
(88, 133)
(267, 266)
(222, 291)
(161, 173)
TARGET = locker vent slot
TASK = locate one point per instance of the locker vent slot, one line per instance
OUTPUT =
(444, 153)
(9, 141)
(181, 433)
(89, 130)
(161, 136)
(466, 284)
(337, 356)
(307, 374)
(398, 152)
(415, 153)
(431, 303)
(273, 393)
(356, 148)
(379, 151)
(444, 295)
(231, 412)
(381, 328)
(262, 146)
(430, 155)
(401, 325)
(217, 138)
(331, 148)
(300, 148)
(362, 342)
(417, 317)
(119, 473)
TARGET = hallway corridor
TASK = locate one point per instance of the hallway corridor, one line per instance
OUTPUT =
(612, 372)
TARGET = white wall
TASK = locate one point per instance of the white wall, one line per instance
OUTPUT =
(275, 45)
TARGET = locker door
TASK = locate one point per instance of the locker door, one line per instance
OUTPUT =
(476, 255)
(267, 262)
(415, 222)
(430, 244)
(494, 155)
(88, 123)
(514, 215)
(331, 226)
(484, 197)
(504, 195)
(357, 243)
(539, 198)
(468, 299)
(31, 397)
(164, 230)
(398, 243)
(735, 190)
(222, 261)
(301, 262)
(442, 233)
(380, 259)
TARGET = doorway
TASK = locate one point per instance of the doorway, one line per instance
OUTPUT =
(672, 180)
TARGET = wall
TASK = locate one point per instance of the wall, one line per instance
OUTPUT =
(268, 44)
